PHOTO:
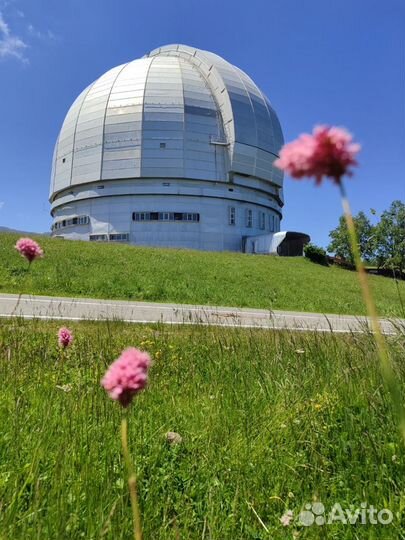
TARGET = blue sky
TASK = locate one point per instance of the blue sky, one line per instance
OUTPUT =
(319, 61)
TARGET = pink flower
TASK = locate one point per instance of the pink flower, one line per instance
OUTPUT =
(329, 151)
(286, 518)
(29, 249)
(65, 337)
(127, 376)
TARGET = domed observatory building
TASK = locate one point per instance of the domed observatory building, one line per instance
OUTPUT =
(173, 149)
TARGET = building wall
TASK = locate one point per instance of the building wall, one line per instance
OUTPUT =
(112, 213)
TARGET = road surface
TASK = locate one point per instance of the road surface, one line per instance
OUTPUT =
(75, 309)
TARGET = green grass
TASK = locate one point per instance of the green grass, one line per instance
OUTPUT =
(270, 421)
(191, 277)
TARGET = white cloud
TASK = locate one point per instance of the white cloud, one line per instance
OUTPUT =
(33, 31)
(4, 29)
(11, 45)
(40, 34)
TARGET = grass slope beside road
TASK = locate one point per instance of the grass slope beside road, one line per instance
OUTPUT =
(190, 277)
(270, 421)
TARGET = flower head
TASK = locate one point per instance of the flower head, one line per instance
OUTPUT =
(65, 337)
(286, 518)
(29, 249)
(329, 151)
(127, 376)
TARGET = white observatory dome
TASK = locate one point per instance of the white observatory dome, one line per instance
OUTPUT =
(175, 149)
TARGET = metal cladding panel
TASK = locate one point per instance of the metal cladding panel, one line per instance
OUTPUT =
(119, 164)
(129, 153)
(155, 144)
(122, 125)
(117, 174)
(89, 140)
(153, 153)
(203, 122)
(62, 164)
(163, 118)
(248, 118)
(278, 134)
(255, 125)
(53, 168)
(123, 122)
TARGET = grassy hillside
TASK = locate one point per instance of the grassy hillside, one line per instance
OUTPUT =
(270, 421)
(191, 277)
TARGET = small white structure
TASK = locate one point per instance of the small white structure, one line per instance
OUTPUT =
(173, 149)
(284, 243)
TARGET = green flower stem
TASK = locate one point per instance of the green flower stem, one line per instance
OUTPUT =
(382, 348)
(136, 514)
(20, 294)
(17, 304)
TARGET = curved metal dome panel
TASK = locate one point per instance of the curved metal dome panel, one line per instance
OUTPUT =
(252, 127)
(176, 113)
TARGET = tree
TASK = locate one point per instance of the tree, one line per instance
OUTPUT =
(340, 242)
(390, 237)
(316, 254)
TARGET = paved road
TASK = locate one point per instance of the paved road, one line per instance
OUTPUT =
(75, 309)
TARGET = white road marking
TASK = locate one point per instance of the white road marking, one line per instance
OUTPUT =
(32, 307)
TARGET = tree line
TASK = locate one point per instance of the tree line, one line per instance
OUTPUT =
(381, 244)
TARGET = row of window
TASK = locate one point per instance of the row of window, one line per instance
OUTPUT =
(78, 220)
(272, 219)
(165, 216)
(175, 216)
(115, 237)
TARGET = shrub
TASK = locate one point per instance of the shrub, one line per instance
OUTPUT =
(316, 254)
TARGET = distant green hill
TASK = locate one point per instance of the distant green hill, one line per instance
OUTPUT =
(125, 272)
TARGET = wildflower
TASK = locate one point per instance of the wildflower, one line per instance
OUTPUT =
(29, 249)
(127, 375)
(65, 337)
(286, 518)
(64, 387)
(329, 151)
(173, 438)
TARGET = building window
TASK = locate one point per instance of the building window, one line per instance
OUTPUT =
(77, 220)
(249, 218)
(262, 220)
(98, 237)
(162, 145)
(190, 217)
(119, 237)
(165, 216)
(231, 215)
(271, 222)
